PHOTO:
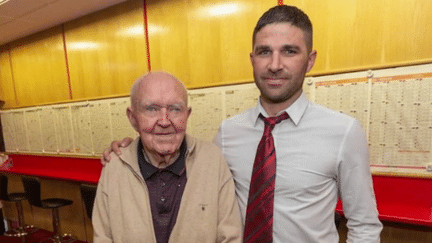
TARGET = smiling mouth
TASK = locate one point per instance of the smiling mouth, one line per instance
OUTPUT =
(274, 81)
(276, 78)
(164, 134)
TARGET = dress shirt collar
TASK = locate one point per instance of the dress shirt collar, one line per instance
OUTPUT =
(147, 169)
(295, 111)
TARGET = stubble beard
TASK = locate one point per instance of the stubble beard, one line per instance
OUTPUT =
(266, 93)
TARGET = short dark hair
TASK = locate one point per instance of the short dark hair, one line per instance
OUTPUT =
(289, 14)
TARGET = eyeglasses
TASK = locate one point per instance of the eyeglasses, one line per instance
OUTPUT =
(155, 110)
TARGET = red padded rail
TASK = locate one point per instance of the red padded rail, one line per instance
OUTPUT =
(64, 168)
(402, 199)
(399, 199)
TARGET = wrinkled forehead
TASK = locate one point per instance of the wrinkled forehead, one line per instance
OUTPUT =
(164, 92)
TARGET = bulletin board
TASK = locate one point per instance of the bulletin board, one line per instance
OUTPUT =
(393, 105)
(213, 105)
(82, 128)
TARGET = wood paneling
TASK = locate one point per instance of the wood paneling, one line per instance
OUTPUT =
(343, 35)
(201, 47)
(7, 88)
(106, 51)
(39, 68)
(355, 35)
(407, 31)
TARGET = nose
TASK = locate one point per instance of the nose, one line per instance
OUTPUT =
(275, 63)
(164, 120)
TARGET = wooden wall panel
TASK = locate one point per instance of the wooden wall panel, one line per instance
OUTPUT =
(7, 86)
(365, 34)
(188, 39)
(347, 38)
(39, 68)
(201, 48)
(106, 51)
(408, 31)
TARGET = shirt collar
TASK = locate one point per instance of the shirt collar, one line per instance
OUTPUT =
(295, 111)
(147, 169)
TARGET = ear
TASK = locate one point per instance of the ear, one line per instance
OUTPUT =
(189, 111)
(132, 119)
(311, 60)
(251, 58)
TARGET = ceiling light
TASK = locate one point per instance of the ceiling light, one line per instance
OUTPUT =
(82, 45)
(3, 1)
(215, 10)
(137, 30)
(223, 9)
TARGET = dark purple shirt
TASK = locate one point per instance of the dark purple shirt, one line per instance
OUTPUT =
(166, 188)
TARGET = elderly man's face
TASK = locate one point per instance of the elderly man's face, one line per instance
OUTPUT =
(160, 114)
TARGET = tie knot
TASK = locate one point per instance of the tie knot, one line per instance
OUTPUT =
(270, 122)
(275, 120)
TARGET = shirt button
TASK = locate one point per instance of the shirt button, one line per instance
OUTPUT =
(163, 199)
(163, 183)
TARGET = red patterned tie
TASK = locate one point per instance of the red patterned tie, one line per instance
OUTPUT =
(259, 213)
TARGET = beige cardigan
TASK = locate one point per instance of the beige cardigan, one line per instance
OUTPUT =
(208, 211)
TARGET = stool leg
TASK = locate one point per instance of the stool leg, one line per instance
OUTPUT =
(19, 231)
(57, 237)
(56, 225)
(21, 224)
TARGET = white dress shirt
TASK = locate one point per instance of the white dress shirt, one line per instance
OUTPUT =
(320, 154)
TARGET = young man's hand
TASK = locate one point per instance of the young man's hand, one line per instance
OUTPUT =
(115, 147)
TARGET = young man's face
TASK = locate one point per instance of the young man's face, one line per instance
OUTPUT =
(280, 60)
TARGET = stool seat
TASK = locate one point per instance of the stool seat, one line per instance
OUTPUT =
(16, 196)
(55, 202)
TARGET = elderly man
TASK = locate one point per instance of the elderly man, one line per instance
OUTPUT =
(165, 186)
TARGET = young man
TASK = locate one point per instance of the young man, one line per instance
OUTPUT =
(165, 186)
(318, 154)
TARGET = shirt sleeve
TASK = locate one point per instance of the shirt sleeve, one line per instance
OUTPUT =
(355, 187)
